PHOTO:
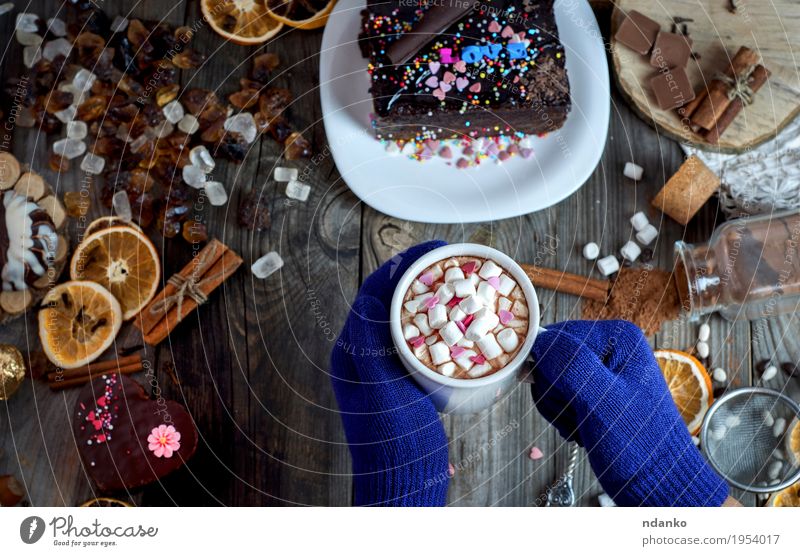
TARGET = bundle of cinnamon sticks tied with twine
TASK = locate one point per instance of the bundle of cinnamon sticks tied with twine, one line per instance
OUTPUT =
(714, 109)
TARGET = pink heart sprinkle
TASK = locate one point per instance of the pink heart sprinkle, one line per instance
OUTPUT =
(508, 32)
(468, 320)
(526, 153)
(451, 470)
(448, 77)
(426, 278)
(477, 359)
(461, 83)
(432, 82)
(505, 316)
(494, 27)
(468, 268)
(434, 66)
(460, 66)
(536, 453)
(445, 87)
(417, 342)
(457, 351)
(461, 326)
(475, 88)
(431, 302)
(453, 302)
(494, 281)
(438, 93)
(432, 144)
(446, 152)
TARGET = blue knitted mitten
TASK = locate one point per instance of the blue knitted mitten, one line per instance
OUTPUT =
(396, 439)
(599, 384)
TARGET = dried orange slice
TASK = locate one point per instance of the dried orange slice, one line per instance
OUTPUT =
(301, 14)
(786, 498)
(689, 384)
(245, 22)
(78, 322)
(107, 222)
(105, 502)
(123, 261)
(793, 441)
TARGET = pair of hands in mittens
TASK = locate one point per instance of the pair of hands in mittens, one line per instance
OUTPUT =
(597, 382)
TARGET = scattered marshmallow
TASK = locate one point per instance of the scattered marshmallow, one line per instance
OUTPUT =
(464, 288)
(704, 333)
(719, 375)
(506, 286)
(475, 279)
(451, 333)
(733, 421)
(606, 501)
(430, 340)
(508, 339)
(608, 265)
(445, 293)
(489, 270)
(437, 316)
(639, 221)
(479, 370)
(487, 293)
(457, 314)
(489, 346)
(718, 433)
(647, 235)
(633, 171)
(471, 305)
(440, 353)
(418, 287)
(702, 349)
(465, 359)
(591, 251)
(779, 427)
(410, 331)
(630, 251)
(421, 321)
(454, 273)
(448, 369)
(481, 326)
(769, 420)
(769, 373)
(503, 304)
(774, 469)
(695, 441)
(463, 342)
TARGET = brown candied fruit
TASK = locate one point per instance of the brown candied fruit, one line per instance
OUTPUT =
(297, 146)
(138, 36)
(188, 59)
(246, 98)
(263, 65)
(77, 204)
(58, 163)
(194, 231)
(253, 212)
(274, 100)
(92, 108)
(167, 94)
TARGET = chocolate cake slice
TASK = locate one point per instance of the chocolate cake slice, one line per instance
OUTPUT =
(498, 70)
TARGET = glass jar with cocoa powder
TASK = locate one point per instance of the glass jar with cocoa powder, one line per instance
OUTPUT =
(750, 268)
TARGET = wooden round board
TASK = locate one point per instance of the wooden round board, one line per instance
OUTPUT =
(770, 28)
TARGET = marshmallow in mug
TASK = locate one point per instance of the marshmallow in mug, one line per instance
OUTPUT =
(469, 314)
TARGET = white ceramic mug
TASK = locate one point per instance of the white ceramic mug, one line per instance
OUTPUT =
(457, 395)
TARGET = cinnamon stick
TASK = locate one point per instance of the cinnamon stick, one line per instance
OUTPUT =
(224, 267)
(95, 368)
(757, 79)
(717, 99)
(686, 111)
(146, 320)
(565, 282)
(62, 384)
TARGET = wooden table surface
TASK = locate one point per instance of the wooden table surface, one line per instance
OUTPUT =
(252, 365)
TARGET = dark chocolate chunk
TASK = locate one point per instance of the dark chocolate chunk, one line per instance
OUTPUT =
(435, 21)
(637, 32)
(672, 88)
(671, 50)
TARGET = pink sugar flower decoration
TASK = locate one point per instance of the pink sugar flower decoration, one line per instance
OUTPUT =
(477, 359)
(494, 281)
(417, 342)
(457, 351)
(163, 441)
(426, 278)
(505, 316)
(431, 302)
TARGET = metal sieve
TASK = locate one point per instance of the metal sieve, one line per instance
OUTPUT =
(742, 440)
